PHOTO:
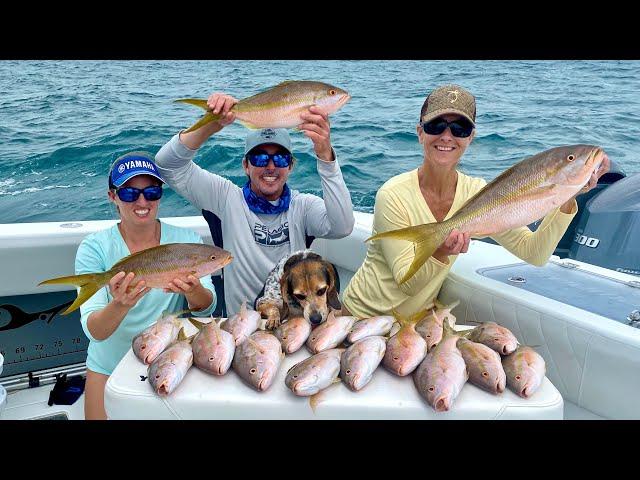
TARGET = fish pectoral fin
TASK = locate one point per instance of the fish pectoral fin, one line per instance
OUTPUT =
(196, 323)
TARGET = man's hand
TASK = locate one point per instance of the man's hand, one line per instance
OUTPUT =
(221, 103)
(316, 126)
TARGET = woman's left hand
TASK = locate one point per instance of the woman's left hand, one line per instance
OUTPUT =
(595, 176)
(568, 207)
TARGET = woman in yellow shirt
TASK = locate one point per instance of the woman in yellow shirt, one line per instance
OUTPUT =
(435, 192)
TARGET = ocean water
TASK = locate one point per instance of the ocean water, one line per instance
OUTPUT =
(62, 123)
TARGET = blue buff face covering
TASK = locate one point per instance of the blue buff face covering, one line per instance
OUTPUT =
(260, 205)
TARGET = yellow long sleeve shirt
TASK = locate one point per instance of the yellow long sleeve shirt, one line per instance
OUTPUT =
(375, 289)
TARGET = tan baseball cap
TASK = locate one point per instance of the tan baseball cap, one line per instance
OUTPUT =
(449, 99)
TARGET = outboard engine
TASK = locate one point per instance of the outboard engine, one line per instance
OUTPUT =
(608, 232)
(614, 174)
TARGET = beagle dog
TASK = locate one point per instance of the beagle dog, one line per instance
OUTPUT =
(300, 284)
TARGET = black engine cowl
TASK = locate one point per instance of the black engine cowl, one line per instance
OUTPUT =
(608, 232)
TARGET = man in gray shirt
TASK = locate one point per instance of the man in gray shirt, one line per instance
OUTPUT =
(265, 220)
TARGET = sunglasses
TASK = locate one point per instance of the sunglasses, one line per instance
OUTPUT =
(131, 194)
(460, 128)
(280, 160)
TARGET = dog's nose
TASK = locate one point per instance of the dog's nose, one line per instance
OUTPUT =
(315, 318)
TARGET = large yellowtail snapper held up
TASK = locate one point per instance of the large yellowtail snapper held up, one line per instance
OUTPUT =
(157, 266)
(524, 193)
(279, 106)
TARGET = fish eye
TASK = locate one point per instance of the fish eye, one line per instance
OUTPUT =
(295, 376)
(485, 374)
(299, 296)
(211, 359)
(429, 336)
(284, 338)
(571, 158)
(157, 377)
(518, 377)
(143, 347)
(252, 371)
(212, 257)
(321, 291)
(431, 389)
(332, 92)
(395, 358)
(348, 372)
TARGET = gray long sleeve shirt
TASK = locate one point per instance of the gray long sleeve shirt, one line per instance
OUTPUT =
(257, 241)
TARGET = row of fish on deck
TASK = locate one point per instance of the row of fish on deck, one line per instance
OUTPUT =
(426, 345)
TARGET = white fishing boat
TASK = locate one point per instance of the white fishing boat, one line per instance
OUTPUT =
(579, 316)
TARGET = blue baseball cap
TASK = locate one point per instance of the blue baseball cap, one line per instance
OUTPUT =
(131, 165)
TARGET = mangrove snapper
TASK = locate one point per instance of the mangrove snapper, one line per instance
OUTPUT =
(525, 369)
(213, 348)
(360, 360)
(257, 359)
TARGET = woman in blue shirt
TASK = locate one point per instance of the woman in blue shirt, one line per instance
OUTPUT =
(112, 317)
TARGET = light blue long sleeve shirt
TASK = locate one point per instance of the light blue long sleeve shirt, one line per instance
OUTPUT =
(98, 252)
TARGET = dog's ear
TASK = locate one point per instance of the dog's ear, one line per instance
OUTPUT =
(332, 292)
(285, 292)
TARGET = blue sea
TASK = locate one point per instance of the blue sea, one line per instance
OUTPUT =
(62, 123)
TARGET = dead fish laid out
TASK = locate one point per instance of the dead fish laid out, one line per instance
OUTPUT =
(279, 106)
(484, 366)
(430, 327)
(406, 349)
(369, 327)
(242, 324)
(494, 336)
(443, 372)
(293, 333)
(169, 368)
(213, 348)
(525, 369)
(153, 340)
(258, 359)
(360, 360)
(524, 193)
(157, 266)
(315, 373)
(331, 333)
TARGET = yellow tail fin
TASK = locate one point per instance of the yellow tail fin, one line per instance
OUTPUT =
(89, 284)
(426, 239)
(206, 118)
(194, 101)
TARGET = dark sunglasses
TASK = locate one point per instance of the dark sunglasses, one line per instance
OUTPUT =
(280, 160)
(131, 194)
(460, 128)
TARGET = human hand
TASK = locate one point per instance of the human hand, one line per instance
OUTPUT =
(124, 293)
(183, 286)
(456, 243)
(221, 103)
(316, 126)
(595, 176)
